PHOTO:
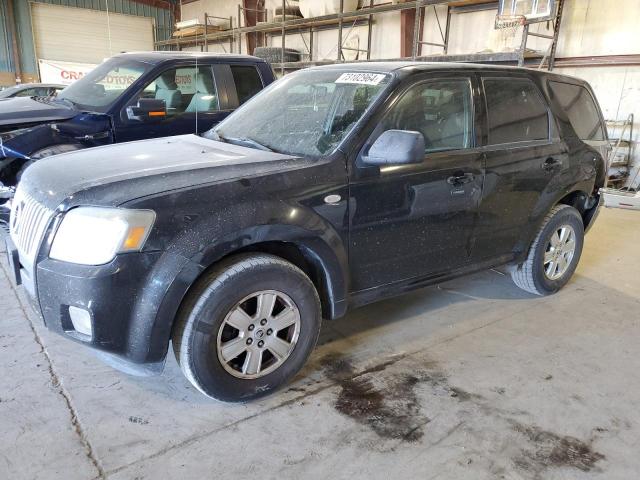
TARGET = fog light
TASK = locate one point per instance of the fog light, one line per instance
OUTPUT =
(81, 320)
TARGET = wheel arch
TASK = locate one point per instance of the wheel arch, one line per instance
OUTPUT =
(313, 264)
(576, 197)
(322, 260)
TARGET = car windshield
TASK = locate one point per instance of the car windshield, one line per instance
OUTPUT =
(307, 113)
(103, 85)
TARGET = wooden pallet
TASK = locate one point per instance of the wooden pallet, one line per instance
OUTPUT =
(197, 30)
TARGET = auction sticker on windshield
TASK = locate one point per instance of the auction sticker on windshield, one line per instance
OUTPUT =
(361, 78)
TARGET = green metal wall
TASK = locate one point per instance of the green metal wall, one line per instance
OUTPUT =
(6, 57)
(22, 12)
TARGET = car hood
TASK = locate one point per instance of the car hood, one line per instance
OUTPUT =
(19, 110)
(115, 174)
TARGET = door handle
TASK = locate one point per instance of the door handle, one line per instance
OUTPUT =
(461, 179)
(551, 163)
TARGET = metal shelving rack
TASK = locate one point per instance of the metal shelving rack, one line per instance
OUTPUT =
(621, 150)
(366, 16)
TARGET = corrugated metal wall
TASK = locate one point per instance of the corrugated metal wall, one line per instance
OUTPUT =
(6, 57)
(163, 20)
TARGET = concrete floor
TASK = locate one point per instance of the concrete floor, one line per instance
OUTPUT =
(472, 379)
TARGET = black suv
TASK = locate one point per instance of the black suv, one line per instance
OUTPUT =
(334, 187)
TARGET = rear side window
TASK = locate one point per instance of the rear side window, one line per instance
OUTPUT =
(581, 109)
(516, 111)
(247, 80)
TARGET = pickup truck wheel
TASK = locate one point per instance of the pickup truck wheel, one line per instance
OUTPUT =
(46, 152)
(25, 165)
(247, 327)
(554, 253)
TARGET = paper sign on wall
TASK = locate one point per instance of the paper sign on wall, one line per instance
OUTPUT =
(64, 73)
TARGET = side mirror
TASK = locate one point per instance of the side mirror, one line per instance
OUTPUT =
(396, 147)
(146, 109)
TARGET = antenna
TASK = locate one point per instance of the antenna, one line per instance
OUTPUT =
(195, 93)
(109, 27)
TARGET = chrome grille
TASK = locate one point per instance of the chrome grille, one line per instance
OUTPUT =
(27, 224)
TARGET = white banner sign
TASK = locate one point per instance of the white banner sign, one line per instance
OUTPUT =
(63, 73)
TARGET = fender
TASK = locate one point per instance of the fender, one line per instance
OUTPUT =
(548, 200)
(201, 245)
(82, 131)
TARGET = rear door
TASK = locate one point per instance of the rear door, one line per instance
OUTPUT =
(411, 221)
(523, 154)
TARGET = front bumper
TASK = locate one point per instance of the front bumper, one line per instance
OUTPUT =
(113, 294)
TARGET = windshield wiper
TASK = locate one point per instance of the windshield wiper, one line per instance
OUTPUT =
(245, 142)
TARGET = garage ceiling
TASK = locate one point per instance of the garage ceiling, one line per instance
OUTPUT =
(82, 35)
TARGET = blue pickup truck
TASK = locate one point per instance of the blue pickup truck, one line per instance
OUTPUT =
(132, 96)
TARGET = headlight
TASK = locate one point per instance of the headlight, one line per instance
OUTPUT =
(94, 235)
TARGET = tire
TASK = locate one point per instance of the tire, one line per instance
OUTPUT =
(274, 54)
(24, 166)
(46, 152)
(288, 10)
(537, 274)
(203, 329)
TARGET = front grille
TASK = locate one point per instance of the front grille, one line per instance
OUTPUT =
(27, 224)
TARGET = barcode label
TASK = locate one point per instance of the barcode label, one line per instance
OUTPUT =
(361, 78)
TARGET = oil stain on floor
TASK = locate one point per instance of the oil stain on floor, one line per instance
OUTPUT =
(391, 409)
(549, 449)
(389, 406)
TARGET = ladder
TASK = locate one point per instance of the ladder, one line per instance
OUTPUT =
(551, 51)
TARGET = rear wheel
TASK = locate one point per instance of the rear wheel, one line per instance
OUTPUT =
(554, 253)
(247, 327)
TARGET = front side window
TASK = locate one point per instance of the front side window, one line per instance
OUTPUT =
(187, 89)
(516, 111)
(581, 109)
(306, 113)
(247, 80)
(103, 85)
(441, 110)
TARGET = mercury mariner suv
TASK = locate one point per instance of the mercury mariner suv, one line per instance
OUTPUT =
(334, 187)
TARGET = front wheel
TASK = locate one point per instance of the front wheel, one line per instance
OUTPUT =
(554, 253)
(247, 327)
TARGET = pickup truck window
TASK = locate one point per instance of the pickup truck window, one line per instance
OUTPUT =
(579, 106)
(441, 110)
(184, 89)
(101, 87)
(306, 113)
(247, 80)
(516, 111)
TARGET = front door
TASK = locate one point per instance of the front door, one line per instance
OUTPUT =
(192, 99)
(412, 221)
(523, 155)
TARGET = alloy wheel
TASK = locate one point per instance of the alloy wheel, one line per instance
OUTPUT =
(559, 252)
(258, 334)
